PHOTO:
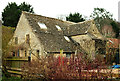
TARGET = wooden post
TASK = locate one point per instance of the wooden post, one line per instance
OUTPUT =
(61, 56)
(61, 53)
(119, 53)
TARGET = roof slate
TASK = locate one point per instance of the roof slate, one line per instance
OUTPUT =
(52, 39)
(78, 28)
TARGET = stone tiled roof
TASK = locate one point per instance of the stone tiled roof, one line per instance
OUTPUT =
(52, 39)
(49, 22)
(53, 43)
(78, 28)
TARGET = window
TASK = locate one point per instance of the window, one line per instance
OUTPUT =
(58, 27)
(28, 39)
(66, 38)
(16, 40)
(25, 53)
(30, 53)
(18, 53)
(42, 25)
(38, 52)
(13, 53)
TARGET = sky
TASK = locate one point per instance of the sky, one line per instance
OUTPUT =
(59, 8)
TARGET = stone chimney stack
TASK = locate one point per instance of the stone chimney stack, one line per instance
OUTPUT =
(119, 11)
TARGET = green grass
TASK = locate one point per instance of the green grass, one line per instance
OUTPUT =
(4, 78)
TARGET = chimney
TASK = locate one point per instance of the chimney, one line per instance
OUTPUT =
(119, 11)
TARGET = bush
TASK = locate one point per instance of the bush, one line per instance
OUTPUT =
(75, 67)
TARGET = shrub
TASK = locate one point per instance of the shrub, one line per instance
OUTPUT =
(75, 67)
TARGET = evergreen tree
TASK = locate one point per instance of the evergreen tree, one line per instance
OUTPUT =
(12, 12)
(76, 17)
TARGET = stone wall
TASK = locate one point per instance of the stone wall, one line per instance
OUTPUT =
(23, 28)
(86, 43)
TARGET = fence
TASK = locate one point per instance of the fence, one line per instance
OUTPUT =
(13, 65)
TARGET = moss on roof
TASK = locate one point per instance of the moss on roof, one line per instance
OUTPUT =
(52, 39)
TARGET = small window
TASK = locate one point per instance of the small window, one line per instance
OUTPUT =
(16, 40)
(66, 38)
(28, 39)
(18, 54)
(25, 53)
(38, 52)
(30, 53)
(58, 27)
(13, 53)
(42, 25)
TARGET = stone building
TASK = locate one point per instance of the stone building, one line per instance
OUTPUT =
(37, 36)
(108, 31)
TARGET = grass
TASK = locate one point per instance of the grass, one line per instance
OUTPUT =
(11, 78)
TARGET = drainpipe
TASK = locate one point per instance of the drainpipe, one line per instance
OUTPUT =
(29, 57)
(119, 53)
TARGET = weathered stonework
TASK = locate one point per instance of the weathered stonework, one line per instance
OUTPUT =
(23, 28)
(81, 36)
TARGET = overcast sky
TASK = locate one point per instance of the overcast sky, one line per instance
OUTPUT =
(55, 8)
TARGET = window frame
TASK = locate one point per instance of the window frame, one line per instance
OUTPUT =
(27, 38)
(16, 40)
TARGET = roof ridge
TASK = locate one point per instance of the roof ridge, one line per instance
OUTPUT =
(92, 21)
(24, 12)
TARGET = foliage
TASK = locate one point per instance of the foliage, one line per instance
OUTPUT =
(115, 28)
(12, 12)
(101, 17)
(75, 67)
(6, 76)
(26, 7)
(111, 51)
(7, 33)
(76, 17)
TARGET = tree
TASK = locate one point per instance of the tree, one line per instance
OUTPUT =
(76, 17)
(26, 7)
(104, 18)
(10, 15)
(101, 17)
(12, 12)
(115, 28)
